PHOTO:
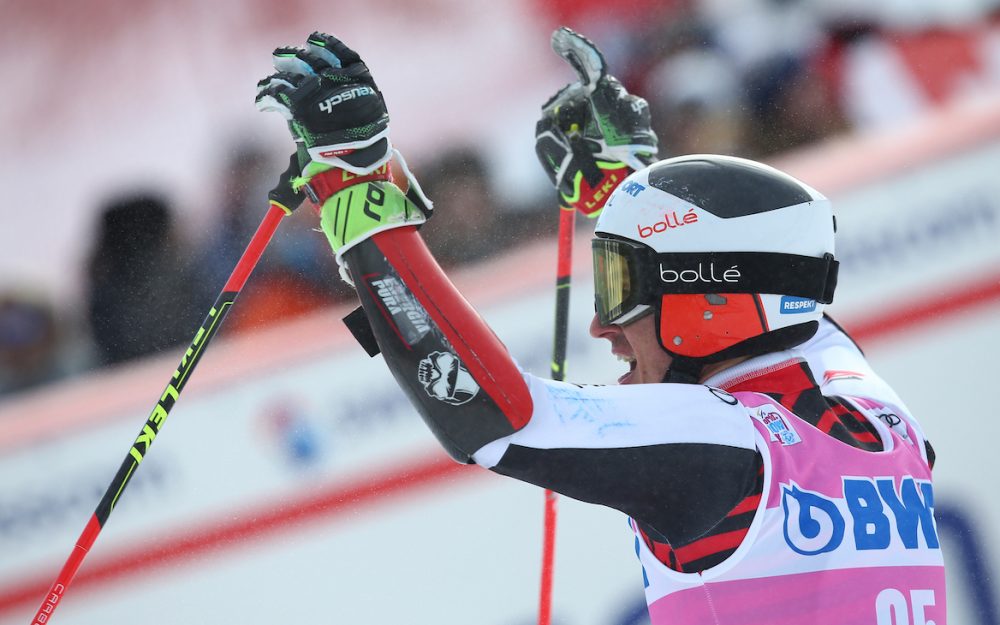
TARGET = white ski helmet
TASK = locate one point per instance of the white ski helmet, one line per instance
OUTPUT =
(734, 257)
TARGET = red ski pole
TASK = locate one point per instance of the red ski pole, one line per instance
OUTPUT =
(564, 267)
(156, 419)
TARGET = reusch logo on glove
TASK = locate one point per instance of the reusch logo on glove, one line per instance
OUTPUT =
(689, 217)
(357, 92)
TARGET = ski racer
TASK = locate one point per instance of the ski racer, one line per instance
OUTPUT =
(769, 475)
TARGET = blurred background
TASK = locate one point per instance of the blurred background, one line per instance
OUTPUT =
(295, 482)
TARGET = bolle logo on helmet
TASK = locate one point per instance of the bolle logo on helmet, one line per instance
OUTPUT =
(357, 92)
(689, 217)
(689, 276)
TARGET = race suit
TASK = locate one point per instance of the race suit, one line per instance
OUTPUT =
(791, 472)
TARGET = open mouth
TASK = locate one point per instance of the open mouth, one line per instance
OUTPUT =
(626, 377)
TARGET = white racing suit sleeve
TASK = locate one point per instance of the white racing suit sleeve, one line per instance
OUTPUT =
(570, 416)
(676, 457)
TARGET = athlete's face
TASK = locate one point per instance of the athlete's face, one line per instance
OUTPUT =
(636, 344)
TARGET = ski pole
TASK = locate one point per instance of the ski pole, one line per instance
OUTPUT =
(564, 267)
(156, 419)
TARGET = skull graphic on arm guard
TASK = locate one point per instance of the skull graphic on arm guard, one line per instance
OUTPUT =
(446, 379)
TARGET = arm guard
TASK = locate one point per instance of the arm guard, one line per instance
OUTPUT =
(450, 364)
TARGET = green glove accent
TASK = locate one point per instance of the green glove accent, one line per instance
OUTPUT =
(361, 211)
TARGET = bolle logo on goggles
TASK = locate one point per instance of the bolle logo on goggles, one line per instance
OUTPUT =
(689, 217)
(708, 275)
(357, 92)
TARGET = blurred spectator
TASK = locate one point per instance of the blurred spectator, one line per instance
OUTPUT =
(696, 104)
(791, 105)
(297, 273)
(30, 342)
(470, 222)
(714, 89)
(632, 35)
(139, 281)
(752, 32)
(890, 76)
(240, 207)
(874, 86)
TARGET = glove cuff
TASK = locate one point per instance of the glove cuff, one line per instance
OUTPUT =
(589, 199)
(361, 211)
(325, 184)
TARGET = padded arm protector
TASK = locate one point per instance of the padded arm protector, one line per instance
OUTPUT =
(450, 364)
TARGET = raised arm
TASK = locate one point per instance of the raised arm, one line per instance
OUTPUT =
(454, 369)
(616, 446)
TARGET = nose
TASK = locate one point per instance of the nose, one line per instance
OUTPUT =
(603, 332)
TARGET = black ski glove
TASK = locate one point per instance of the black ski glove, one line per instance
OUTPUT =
(592, 133)
(334, 108)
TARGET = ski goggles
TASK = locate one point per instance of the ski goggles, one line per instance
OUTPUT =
(628, 275)
(618, 283)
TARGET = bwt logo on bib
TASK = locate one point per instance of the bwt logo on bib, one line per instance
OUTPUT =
(871, 515)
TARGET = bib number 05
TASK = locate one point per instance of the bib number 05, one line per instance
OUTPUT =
(892, 607)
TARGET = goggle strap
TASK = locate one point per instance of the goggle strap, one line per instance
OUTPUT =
(744, 272)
